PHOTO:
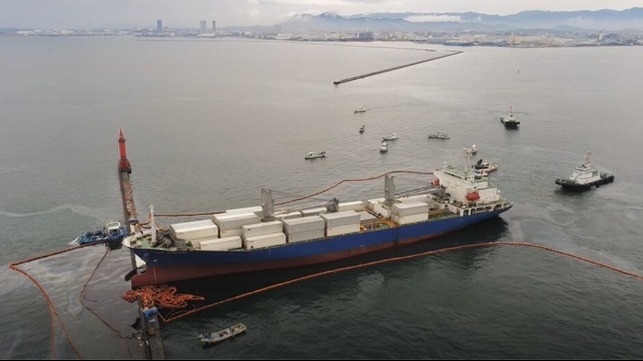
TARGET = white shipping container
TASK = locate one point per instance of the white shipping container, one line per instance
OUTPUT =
(411, 219)
(380, 208)
(283, 215)
(230, 232)
(220, 244)
(415, 198)
(296, 225)
(336, 231)
(365, 216)
(410, 208)
(204, 228)
(259, 229)
(314, 211)
(373, 203)
(351, 206)
(341, 218)
(265, 240)
(256, 210)
(234, 220)
(305, 235)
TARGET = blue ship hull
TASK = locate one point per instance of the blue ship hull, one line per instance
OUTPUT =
(169, 266)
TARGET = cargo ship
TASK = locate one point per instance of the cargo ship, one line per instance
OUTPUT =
(264, 237)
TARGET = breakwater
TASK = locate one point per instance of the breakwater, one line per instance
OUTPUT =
(337, 82)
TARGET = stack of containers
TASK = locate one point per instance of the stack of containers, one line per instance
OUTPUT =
(265, 234)
(230, 223)
(303, 229)
(204, 235)
(341, 223)
(195, 230)
(377, 206)
(410, 212)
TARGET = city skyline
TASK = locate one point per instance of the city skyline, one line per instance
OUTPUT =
(189, 13)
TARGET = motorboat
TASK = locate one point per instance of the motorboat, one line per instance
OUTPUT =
(315, 155)
(393, 136)
(439, 135)
(471, 150)
(360, 110)
(384, 147)
(484, 167)
(362, 129)
(224, 334)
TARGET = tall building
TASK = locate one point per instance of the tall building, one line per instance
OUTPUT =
(204, 27)
(214, 27)
(159, 26)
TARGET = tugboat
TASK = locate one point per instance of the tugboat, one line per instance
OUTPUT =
(112, 233)
(510, 120)
(584, 177)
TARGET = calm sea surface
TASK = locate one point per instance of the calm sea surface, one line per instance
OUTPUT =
(210, 123)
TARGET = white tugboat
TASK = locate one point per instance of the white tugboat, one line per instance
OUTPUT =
(584, 177)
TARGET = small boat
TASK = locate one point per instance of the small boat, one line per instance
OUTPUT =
(362, 129)
(484, 167)
(111, 233)
(360, 110)
(472, 150)
(393, 136)
(439, 135)
(585, 177)
(384, 147)
(314, 155)
(224, 334)
(510, 120)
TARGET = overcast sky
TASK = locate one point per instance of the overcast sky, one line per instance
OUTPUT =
(188, 13)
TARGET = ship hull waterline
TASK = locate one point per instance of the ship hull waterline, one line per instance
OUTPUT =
(163, 266)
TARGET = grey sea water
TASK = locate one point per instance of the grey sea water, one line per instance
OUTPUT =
(210, 123)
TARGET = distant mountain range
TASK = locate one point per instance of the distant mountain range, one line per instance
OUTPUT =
(630, 20)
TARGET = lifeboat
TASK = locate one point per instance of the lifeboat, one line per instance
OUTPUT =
(473, 196)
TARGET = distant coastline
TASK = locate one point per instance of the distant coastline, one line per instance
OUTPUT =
(525, 29)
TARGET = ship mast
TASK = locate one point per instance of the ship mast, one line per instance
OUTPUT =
(267, 205)
(153, 224)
